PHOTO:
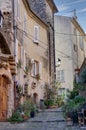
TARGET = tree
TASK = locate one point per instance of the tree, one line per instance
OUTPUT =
(51, 91)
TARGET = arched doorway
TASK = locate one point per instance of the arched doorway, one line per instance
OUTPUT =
(35, 98)
(3, 98)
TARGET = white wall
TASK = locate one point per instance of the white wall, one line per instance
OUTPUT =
(65, 39)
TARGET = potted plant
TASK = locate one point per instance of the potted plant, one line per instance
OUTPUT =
(32, 110)
(26, 109)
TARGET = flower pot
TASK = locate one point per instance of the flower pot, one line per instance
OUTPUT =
(32, 114)
(25, 118)
(75, 117)
(69, 121)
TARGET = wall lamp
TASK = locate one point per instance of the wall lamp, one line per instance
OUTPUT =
(58, 63)
(1, 18)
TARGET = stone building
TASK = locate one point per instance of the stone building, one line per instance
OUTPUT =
(46, 9)
(31, 52)
(24, 60)
(70, 45)
(7, 62)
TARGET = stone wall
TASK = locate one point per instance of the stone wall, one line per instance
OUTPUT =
(43, 10)
(7, 25)
(7, 30)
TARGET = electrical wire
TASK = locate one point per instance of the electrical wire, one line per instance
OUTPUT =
(31, 38)
(69, 34)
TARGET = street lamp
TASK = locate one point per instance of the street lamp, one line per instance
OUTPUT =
(1, 18)
(58, 62)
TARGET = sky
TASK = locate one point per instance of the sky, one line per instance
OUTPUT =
(67, 7)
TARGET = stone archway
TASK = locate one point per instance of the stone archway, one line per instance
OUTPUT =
(7, 70)
(35, 98)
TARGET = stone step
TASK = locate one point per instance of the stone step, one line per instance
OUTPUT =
(43, 121)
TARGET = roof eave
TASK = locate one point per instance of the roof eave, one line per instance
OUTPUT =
(52, 5)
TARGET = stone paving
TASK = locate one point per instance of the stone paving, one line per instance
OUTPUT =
(44, 120)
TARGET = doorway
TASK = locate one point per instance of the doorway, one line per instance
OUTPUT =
(35, 98)
(3, 98)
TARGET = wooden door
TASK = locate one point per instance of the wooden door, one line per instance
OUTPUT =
(35, 98)
(3, 98)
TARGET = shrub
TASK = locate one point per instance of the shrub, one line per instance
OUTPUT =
(16, 117)
(73, 104)
(60, 100)
(48, 102)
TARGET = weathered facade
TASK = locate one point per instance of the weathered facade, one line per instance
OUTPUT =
(31, 53)
(24, 62)
(70, 48)
(46, 9)
(7, 63)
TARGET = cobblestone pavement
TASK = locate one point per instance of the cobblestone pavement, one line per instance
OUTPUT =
(44, 120)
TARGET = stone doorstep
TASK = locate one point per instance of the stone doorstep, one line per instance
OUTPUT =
(83, 127)
(50, 110)
(46, 121)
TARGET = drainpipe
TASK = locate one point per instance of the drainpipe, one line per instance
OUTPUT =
(54, 69)
(54, 49)
(14, 36)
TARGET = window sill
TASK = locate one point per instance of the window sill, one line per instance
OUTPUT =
(36, 76)
(36, 43)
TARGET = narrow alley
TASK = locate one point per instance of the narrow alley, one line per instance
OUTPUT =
(51, 119)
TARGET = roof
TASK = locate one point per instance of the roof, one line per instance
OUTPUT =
(52, 5)
(34, 14)
(77, 25)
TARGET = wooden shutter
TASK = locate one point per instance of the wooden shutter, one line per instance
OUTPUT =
(40, 70)
(15, 4)
(36, 34)
(36, 68)
(25, 23)
(24, 60)
(32, 69)
(22, 55)
(16, 47)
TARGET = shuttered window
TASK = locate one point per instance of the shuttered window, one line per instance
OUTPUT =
(36, 34)
(1, 19)
(25, 23)
(17, 8)
(81, 42)
(16, 49)
(36, 69)
(60, 76)
(40, 70)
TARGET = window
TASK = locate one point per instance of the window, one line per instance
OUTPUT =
(36, 69)
(24, 60)
(16, 50)
(75, 31)
(60, 75)
(1, 19)
(36, 34)
(19, 52)
(23, 57)
(25, 23)
(17, 8)
(81, 42)
(75, 47)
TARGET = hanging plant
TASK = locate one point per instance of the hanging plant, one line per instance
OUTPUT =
(19, 90)
(27, 67)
